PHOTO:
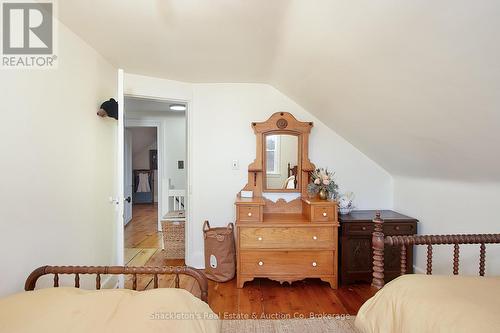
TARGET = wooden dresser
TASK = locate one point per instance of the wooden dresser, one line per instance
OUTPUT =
(287, 246)
(282, 234)
(356, 255)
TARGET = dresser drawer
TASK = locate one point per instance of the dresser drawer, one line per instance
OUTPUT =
(249, 213)
(304, 263)
(399, 229)
(322, 213)
(288, 238)
(359, 228)
(390, 228)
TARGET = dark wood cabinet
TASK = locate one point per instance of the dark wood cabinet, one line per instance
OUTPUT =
(355, 244)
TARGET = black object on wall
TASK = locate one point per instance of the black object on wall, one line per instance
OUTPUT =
(109, 109)
(153, 159)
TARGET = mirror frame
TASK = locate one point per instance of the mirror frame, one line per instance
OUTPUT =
(284, 123)
(264, 161)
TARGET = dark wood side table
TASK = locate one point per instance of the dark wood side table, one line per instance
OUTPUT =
(355, 244)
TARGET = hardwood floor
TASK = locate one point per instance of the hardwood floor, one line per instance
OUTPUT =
(260, 298)
(142, 238)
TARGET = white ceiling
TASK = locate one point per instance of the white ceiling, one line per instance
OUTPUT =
(141, 105)
(415, 85)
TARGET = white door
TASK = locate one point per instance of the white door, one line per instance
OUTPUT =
(128, 183)
(120, 174)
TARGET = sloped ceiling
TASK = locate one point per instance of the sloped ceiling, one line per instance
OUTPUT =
(415, 85)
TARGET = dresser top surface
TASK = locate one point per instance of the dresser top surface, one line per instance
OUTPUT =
(369, 215)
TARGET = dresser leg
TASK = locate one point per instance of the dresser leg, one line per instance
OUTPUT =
(332, 281)
(240, 281)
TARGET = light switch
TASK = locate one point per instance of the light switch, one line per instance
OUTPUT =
(236, 165)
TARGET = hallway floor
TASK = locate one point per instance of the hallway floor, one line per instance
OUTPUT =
(142, 238)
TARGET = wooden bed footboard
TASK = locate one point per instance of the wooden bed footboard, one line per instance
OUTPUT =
(119, 270)
(379, 241)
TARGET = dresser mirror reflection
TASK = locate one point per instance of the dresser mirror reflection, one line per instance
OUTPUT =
(281, 161)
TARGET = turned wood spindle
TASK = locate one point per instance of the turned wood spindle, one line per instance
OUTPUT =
(482, 259)
(177, 280)
(134, 281)
(378, 252)
(456, 258)
(155, 281)
(429, 259)
(98, 281)
(403, 259)
(56, 280)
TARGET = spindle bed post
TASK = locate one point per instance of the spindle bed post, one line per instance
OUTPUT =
(378, 252)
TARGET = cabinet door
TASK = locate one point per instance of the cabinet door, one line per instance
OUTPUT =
(358, 257)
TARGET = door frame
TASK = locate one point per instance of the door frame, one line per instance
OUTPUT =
(159, 146)
(188, 166)
(126, 160)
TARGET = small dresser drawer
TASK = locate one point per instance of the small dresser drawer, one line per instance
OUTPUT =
(288, 238)
(249, 213)
(399, 229)
(359, 228)
(322, 213)
(304, 263)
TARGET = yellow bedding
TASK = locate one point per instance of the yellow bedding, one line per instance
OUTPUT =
(421, 303)
(116, 310)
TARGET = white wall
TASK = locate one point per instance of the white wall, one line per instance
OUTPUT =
(58, 164)
(445, 207)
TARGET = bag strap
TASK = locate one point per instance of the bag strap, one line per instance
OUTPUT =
(206, 226)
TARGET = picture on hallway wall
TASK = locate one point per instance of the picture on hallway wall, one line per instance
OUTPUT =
(153, 159)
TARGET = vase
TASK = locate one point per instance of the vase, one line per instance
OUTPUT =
(323, 194)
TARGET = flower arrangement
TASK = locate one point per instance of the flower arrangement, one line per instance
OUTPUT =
(322, 183)
(346, 203)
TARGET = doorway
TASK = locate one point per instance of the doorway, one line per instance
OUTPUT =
(154, 182)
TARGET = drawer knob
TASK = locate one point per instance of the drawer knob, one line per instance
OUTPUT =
(396, 227)
(261, 263)
(324, 214)
(314, 237)
(314, 264)
(259, 238)
(249, 214)
(363, 228)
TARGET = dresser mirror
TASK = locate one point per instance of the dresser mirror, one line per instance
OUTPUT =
(281, 161)
(282, 233)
